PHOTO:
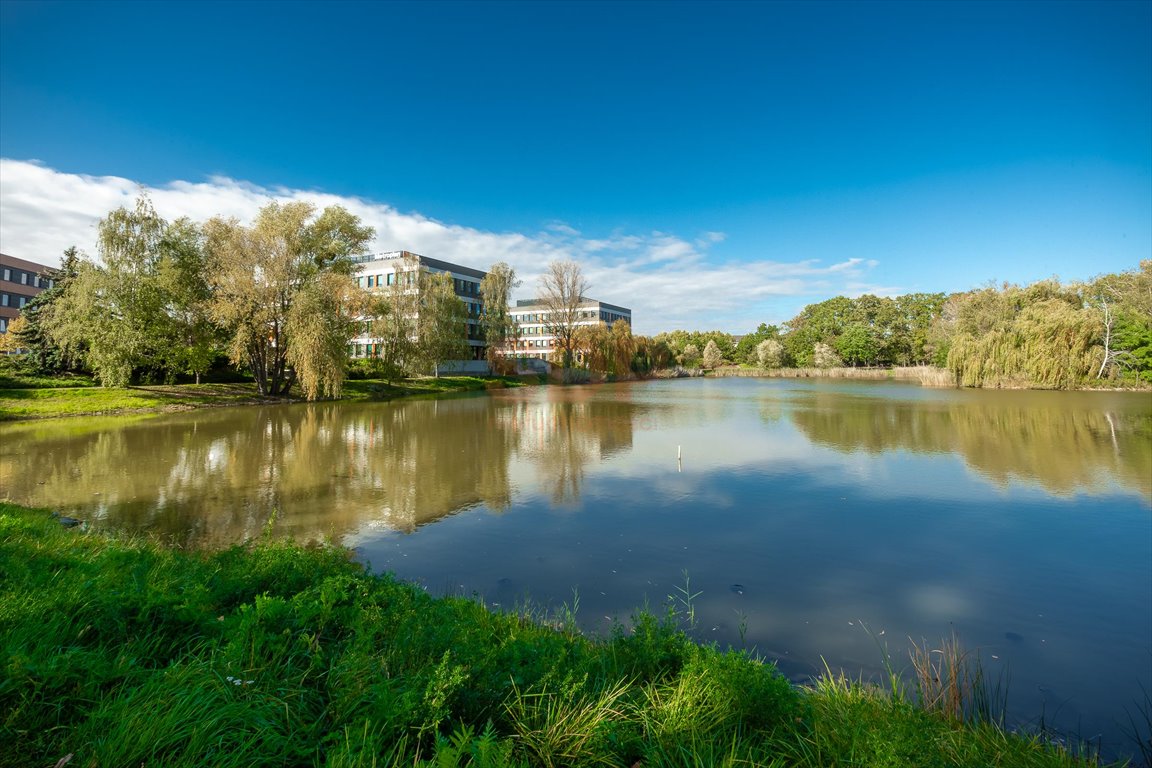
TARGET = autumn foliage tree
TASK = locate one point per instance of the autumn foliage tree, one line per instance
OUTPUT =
(282, 290)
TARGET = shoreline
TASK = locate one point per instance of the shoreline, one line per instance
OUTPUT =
(20, 404)
(121, 650)
(928, 376)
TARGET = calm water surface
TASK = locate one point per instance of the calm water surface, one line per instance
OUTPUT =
(800, 510)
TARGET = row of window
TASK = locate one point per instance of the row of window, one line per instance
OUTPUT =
(462, 287)
(584, 314)
(375, 350)
(13, 300)
(25, 278)
(543, 330)
(391, 278)
(466, 287)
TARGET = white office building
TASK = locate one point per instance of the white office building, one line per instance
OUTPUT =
(378, 271)
(532, 316)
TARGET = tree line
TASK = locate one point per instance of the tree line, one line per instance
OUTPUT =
(1046, 334)
(278, 299)
(169, 298)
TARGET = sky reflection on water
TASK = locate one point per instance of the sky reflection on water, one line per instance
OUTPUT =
(1019, 520)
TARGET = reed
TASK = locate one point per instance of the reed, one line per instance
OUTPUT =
(927, 375)
(952, 681)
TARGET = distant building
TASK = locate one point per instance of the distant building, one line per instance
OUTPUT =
(532, 317)
(380, 271)
(20, 280)
(387, 269)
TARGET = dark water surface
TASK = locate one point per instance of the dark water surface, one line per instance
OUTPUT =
(800, 511)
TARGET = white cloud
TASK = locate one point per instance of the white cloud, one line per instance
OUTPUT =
(668, 281)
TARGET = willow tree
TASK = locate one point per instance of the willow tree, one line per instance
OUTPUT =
(324, 316)
(501, 331)
(1039, 335)
(592, 344)
(623, 348)
(391, 314)
(123, 314)
(282, 289)
(442, 322)
(182, 277)
(650, 354)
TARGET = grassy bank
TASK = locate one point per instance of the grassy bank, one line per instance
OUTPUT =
(48, 399)
(123, 652)
(927, 375)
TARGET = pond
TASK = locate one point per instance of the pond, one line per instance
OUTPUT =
(812, 520)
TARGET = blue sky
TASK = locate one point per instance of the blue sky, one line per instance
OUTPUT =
(713, 165)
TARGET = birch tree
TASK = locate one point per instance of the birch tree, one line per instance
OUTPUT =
(562, 290)
(118, 315)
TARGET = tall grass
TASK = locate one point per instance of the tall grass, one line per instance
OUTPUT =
(952, 681)
(927, 375)
(125, 652)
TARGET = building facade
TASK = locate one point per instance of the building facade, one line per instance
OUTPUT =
(532, 316)
(20, 280)
(381, 271)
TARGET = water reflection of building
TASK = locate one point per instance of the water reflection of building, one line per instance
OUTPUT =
(569, 430)
(319, 470)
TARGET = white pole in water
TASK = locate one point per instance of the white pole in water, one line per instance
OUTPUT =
(677, 453)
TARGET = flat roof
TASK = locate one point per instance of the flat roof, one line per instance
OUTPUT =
(584, 302)
(29, 266)
(426, 261)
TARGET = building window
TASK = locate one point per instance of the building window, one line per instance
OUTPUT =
(3, 325)
(7, 274)
(23, 278)
(23, 301)
(3, 299)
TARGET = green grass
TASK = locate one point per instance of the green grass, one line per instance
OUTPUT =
(49, 401)
(76, 401)
(122, 651)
